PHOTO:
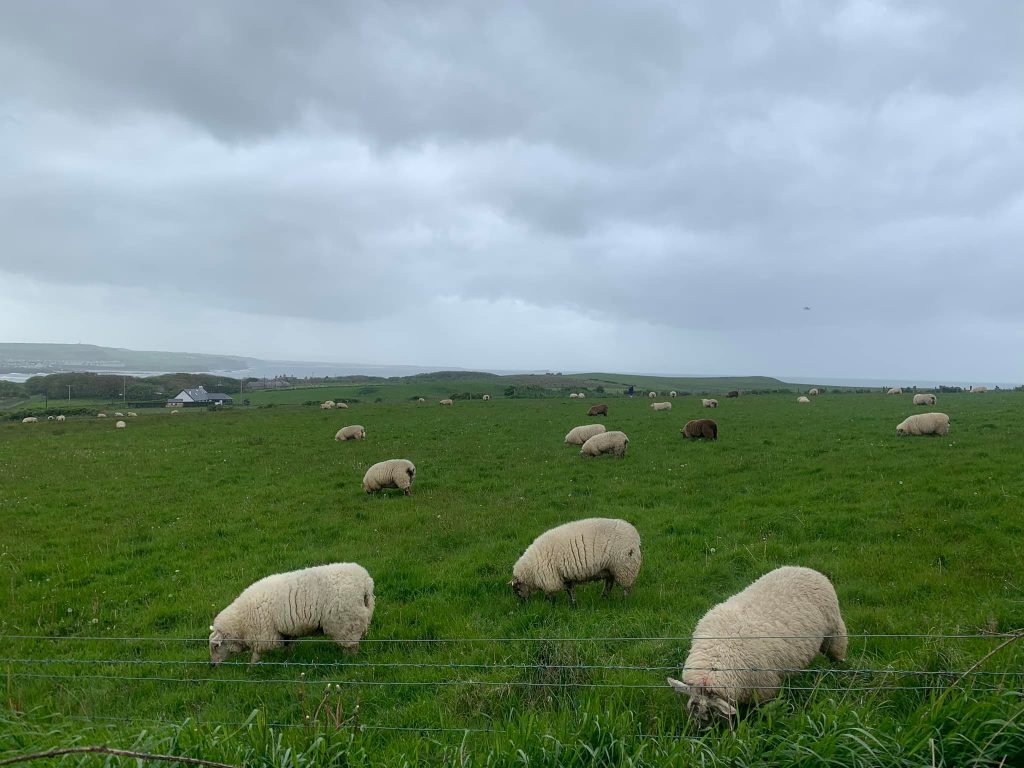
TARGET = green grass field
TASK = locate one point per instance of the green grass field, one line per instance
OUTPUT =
(146, 533)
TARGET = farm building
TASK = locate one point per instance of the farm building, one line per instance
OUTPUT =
(198, 396)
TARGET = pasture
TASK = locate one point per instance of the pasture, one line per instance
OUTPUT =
(117, 548)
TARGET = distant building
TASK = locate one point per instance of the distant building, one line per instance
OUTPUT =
(199, 396)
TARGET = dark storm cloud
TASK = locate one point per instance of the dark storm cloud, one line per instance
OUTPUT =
(707, 167)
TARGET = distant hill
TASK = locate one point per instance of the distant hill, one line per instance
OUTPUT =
(49, 358)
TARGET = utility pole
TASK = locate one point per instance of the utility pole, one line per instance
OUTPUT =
(69, 393)
(124, 390)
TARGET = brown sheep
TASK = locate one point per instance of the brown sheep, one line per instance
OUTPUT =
(701, 428)
(733, 393)
(597, 410)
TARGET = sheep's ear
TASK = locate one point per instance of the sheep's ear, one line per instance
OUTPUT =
(680, 687)
(724, 707)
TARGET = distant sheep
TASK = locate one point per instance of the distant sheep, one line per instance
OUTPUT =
(132, 414)
(62, 417)
(326, 405)
(978, 390)
(924, 424)
(666, 406)
(120, 425)
(672, 393)
(447, 401)
(895, 391)
(700, 428)
(393, 473)
(594, 549)
(786, 618)
(924, 399)
(803, 399)
(709, 403)
(598, 410)
(29, 420)
(573, 396)
(336, 599)
(733, 393)
(101, 415)
(652, 395)
(343, 406)
(813, 392)
(351, 432)
(486, 397)
(118, 413)
(580, 435)
(606, 442)
(581, 395)
(49, 418)
(421, 399)
(173, 413)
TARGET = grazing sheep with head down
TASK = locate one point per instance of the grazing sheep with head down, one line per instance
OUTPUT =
(573, 396)
(49, 418)
(336, 599)
(979, 389)
(813, 392)
(700, 428)
(743, 648)
(601, 409)
(924, 424)
(709, 403)
(30, 420)
(327, 405)
(895, 391)
(62, 417)
(803, 399)
(594, 549)
(581, 395)
(447, 401)
(924, 399)
(101, 415)
(580, 435)
(351, 432)
(132, 414)
(486, 397)
(393, 473)
(652, 395)
(119, 414)
(120, 425)
(606, 442)
(666, 406)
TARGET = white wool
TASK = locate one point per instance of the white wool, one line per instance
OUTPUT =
(573, 396)
(924, 399)
(652, 394)
(672, 393)
(605, 442)
(977, 390)
(895, 391)
(813, 391)
(486, 397)
(661, 406)
(120, 425)
(351, 432)
(924, 424)
(62, 417)
(326, 405)
(580, 435)
(586, 550)
(709, 403)
(580, 395)
(788, 615)
(393, 473)
(446, 401)
(132, 414)
(29, 420)
(336, 599)
(803, 399)
(101, 415)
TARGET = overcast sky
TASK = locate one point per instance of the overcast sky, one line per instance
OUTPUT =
(635, 186)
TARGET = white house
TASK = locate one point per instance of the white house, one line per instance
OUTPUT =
(199, 396)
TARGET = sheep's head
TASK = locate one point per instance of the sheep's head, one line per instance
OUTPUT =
(901, 430)
(521, 589)
(702, 704)
(222, 646)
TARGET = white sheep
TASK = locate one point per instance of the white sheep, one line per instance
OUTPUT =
(101, 415)
(979, 389)
(586, 550)
(446, 401)
(393, 473)
(803, 399)
(326, 405)
(29, 420)
(62, 417)
(336, 599)
(132, 414)
(743, 648)
(672, 393)
(895, 391)
(119, 414)
(580, 435)
(120, 425)
(486, 397)
(351, 432)
(573, 396)
(49, 418)
(173, 412)
(652, 395)
(662, 406)
(605, 442)
(709, 403)
(924, 399)
(813, 392)
(341, 405)
(421, 399)
(924, 424)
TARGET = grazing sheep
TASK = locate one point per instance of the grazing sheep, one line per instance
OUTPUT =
(343, 406)
(486, 397)
(594, 549)
(924, 399)
(29, 420)
(132, 414)
(652, 395)
(326, 405)
(979, 389)
(421, 399)
(101, 415)
(49, 418)
(895, 391)
(788, 616)
(803, 399)
(393, 473)
(700, 428)
(173, 412)
(447, 401)
(573, 396)
(580, 435)
(581, 395)
(598, 410)
(666, 406)
(813, 392)
(733, 393)
(120, 425)
(336, 599)
(606, 442)
(709, 403)
(118, 413)
(924, 424)
(62, 417)
(672, 393)
(351, 432)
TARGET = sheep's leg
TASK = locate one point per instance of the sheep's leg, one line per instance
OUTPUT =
(609, 582)
(407, 491)
(255, 655)
(570, 591)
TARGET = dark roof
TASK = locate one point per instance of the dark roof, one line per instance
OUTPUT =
(217, 396)
(200, 395)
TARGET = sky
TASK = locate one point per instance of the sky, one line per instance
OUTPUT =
(831, 189)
